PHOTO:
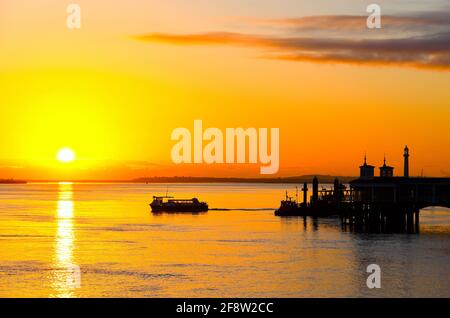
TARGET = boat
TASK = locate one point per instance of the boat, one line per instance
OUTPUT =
(290, 207)
(322, 203)
(170, 204)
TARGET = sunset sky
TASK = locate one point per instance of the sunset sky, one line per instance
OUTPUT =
(114, 90)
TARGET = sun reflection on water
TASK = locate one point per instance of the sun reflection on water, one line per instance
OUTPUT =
(66, 275)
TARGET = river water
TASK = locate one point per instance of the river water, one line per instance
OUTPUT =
(100, 240)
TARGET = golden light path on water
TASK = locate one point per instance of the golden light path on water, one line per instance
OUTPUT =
(66, 275)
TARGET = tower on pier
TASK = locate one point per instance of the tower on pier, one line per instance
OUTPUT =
(406, 162)
(366, 171)
(385, 170)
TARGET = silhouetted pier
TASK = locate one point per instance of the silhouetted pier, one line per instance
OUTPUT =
(374, 204)
(393, 204)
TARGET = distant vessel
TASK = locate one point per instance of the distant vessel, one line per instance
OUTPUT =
(169, 204)
(289, 207)
(322, 203)
(12, 181)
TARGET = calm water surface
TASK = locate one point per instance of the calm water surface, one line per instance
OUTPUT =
(122, 250)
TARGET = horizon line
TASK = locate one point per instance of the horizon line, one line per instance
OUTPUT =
(188, 179)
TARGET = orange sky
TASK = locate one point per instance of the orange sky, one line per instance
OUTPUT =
(114, 98)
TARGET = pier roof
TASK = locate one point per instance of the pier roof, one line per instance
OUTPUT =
(400, 180)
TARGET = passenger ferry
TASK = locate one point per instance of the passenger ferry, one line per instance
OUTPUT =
(169, 204)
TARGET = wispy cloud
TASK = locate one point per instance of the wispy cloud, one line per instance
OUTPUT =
(352, 22)
(427, 47)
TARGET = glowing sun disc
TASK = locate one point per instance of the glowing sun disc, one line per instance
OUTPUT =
(65, 155)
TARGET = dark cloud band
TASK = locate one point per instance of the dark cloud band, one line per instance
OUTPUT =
(429, 50)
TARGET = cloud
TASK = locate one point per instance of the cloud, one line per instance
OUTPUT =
(216, 38)
(427, 49)
(351, 22)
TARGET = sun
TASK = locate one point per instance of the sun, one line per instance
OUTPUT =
(65, 155)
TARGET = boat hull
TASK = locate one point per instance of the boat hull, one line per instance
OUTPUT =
(319, 209)
(179, 209)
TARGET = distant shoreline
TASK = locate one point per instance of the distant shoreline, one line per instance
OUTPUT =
(294, 179)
